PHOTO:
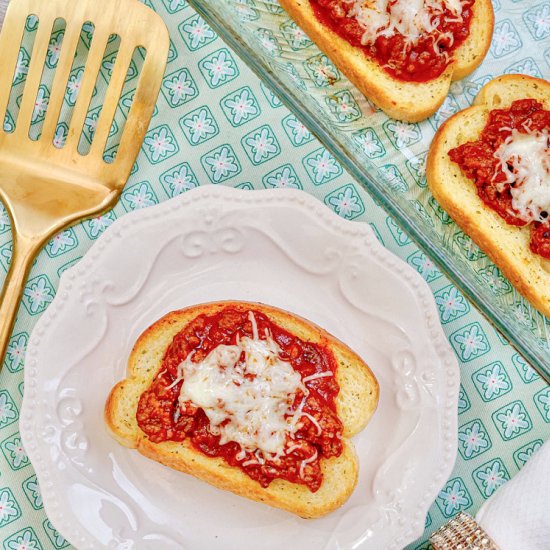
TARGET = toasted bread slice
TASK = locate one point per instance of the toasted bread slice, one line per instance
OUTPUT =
(506, 245)
(355, 405)
(407, 101)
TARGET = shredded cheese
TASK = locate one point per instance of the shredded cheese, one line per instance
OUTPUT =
(247, 392)
(410, 18)
(307, 461)
(293, 448)
(241, 455)
(314, 422)
(525, 160)
(316, 376)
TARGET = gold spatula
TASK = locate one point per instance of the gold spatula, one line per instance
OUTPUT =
(46, 188)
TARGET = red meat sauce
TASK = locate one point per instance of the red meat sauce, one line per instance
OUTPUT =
(414, 63)
(160, 417)
(477, 161)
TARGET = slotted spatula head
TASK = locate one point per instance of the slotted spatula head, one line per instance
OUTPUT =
(46, 188)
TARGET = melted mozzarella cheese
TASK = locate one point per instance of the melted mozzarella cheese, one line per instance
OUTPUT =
(410, 18)
(525, 159)
(247, 392)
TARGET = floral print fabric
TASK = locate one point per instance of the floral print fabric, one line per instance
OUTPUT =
(216, 123)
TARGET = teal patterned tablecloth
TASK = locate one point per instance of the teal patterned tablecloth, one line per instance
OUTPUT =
(216, 123)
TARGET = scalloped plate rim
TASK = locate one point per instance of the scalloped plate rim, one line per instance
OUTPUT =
(412, 529)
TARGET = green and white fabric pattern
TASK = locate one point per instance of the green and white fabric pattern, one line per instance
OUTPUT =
(216, 123)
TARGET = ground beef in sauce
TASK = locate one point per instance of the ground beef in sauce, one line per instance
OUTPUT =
(477, 161)
(161, 418)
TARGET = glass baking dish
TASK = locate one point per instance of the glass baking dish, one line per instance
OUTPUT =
(386, 156)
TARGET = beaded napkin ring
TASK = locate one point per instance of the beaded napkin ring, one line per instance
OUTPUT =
(462, 533)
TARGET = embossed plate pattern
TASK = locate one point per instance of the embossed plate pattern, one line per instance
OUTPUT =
(282, 247)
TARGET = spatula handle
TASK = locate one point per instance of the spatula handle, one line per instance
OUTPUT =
(23, 255)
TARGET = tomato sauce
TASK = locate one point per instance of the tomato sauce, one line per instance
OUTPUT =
(416, 62)
(477, 161)
(161, 418)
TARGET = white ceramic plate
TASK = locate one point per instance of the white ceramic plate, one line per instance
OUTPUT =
(281, 247)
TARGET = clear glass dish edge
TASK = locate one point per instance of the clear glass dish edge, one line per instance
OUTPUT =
(445, 261)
